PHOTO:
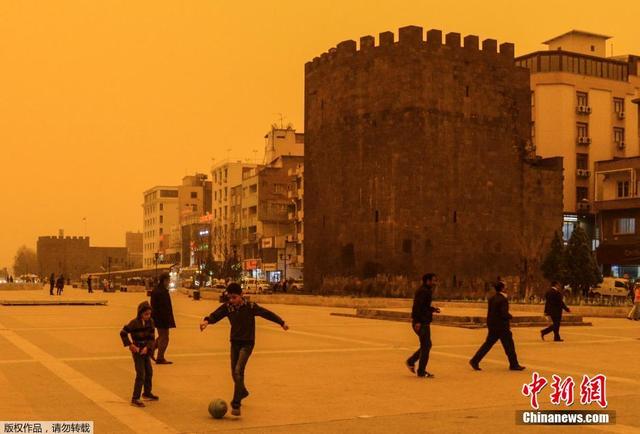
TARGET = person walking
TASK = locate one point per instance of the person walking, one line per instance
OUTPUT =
(421, 317)
(634, 314)
(60, 285)
(553, 308)
(52, 283)
(89, 284)
(162, 313)
(498, 318)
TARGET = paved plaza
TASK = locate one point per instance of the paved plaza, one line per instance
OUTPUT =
(327, 374)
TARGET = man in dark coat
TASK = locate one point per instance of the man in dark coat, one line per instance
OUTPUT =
(421, 317)
(498, 318)
(553, 308)
(162, 313)
(90, 289)
(52, 283)
(60, 285)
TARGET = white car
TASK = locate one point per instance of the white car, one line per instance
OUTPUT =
(611, 287)
(295, 286)
(255, 286)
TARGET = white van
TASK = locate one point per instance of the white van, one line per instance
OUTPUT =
(612, 287)
(255, 286)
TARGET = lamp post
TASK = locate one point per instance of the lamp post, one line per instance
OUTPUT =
(109, 272)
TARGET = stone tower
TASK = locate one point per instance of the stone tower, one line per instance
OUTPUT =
(416, 160)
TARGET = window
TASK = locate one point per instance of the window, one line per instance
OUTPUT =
(168, 193)
(582, 161)
(161, 219)
(583, 98)
(160, 231)
(161, 206)
(618, 135)
(623, 188)
(253, 188)
(624, 226)
(593, 48)
(406, 246)
(583, 129)
(618, 105)
(582, 193)
(194, 195)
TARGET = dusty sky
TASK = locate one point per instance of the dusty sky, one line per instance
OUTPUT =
(101, 99)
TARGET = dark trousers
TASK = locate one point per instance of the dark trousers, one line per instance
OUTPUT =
(506, 339)
(59, 290)
(51, 286)
(555, 328)
(162, 342)
(90, 289)
(240, 352)
(422, 354)
(144, 374)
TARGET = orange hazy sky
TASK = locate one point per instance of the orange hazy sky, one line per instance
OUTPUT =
(101, 99)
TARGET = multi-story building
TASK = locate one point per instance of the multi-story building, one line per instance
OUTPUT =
(160, 214)
(225, 176)
(73, 256)
(188, 247)
(296, 215)
(281, 141)
(582, 110)
(134, 242)
(617, 201)
(265, 227)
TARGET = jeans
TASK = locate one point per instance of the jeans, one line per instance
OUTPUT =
(162, 342)
(240, 352)
(555, 328)
(422, 354)
(144, 374)
(506, 339)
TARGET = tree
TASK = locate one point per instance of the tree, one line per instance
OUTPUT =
(25, 261)
(554, 266)
(582, 270)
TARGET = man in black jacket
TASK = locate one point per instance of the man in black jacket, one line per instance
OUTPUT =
(498, 317)
(553, 308)
(241, 314)
(141, 345)
(421, 317)
(162, 312)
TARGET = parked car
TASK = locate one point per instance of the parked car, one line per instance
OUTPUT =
(296, 286)
(611, 287)
(255, 286)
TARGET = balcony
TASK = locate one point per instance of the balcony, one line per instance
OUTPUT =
(584, 140)
(583, 110)
(583, 173)
(620, 115)
(620, 144)
(583, 207)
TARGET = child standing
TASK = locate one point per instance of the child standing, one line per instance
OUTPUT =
(241, 314)
(142, 332)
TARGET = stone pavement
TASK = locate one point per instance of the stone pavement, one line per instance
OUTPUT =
(327, 374)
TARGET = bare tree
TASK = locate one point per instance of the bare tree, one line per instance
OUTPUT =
(25, 261)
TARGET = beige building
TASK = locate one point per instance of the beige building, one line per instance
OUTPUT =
(296, 214)
(225, 176)
(160, 215)
(582, 110)
(134, 242)
(281, 141)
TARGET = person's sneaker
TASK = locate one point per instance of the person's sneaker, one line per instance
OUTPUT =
(245, 394)
(517, 368)
(163, 362)
(427, 375)
(236, 412)
(558, 340)
(410, 367)
(475, 365)
(542, 335)
(150, 396)
(137, 403)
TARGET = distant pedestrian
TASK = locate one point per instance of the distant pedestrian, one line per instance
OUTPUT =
(89, 284)
(162, 312)
(241, 314)
(52, 283)
(142, 334)
(421, 317)
(553, 308)
(60, 285)
(634, 314)
(498, 318)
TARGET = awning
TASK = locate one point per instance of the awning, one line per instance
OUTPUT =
(619, 254)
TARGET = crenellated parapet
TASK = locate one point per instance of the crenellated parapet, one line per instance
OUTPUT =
(414, 37)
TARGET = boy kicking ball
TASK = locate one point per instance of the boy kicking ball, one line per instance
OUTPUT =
(241, 314)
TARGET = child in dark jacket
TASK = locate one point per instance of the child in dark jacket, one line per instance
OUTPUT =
(142, 332)
(241, 314)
